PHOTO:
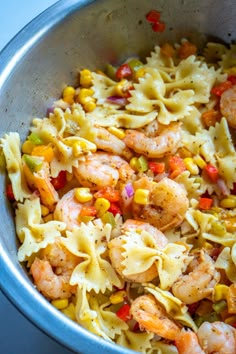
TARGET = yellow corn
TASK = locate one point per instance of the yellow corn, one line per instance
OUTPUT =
(140, 73)
(199, 161)
(83, 195)
(102, 205)
(85, 95)
(60, 303)
(121, 87)
(229, 202)
(89, 106)
(68, 94)
(191, 166)
(44, 210)
(69, 311)
(220, 292)
(27, 147)
(118, 297)
(119, 133)
(85, 78)
(141, 196)
(134, 163)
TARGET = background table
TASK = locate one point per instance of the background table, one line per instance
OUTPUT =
(17, 334)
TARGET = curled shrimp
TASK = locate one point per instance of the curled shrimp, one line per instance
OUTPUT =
(200, 280)
(166, 141)
(108, 142)
(115, 250)
(68, 209)
(211, 338)
(153, 317)
(167, 203)
(228, 106)
(52, 271)
(102, 169)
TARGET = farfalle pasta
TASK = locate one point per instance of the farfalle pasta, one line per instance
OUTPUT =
(124, 197)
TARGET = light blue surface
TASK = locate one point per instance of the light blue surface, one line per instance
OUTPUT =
(17, 334)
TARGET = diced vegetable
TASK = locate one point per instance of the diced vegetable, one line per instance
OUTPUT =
(141, 196)
(123, 71)
(159, 27)
(34, 163)
(212, 172)
(232, 78)
(153, 16)
(115, 209)
(35, 139)
(108, 218)
(205, 203)
(124, 313)
(231, 299)
(156, 167)
(102, 205)
(88, 211)
(176, 166)
(109, 193)
(59, 181)
(83, 195)
(9, 192)
(209, 118)
(45, 151)
(222, 87)
(186, 49)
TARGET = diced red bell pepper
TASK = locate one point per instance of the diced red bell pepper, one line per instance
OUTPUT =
(115, 209)
(59, 181)
(124, 71)
(176, 165)
(109, 193)
(193, 307)
(212, 173)
(156, 167)
(9, 193)
(124, 313)
(153, 16)
(232, 78)
(159, 27)
(88, 211)
(222, 87)
(205, 203)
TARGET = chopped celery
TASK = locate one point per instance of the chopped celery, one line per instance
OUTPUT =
(111, 72)
(35, 139)
(143, 164)
(108, 218)
(210, 317)
(220, 306)
(135, 64)
(34, 163)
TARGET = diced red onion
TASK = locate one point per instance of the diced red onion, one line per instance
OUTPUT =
(129, 190)
(121, 101)
(223, 187)
(50, 110)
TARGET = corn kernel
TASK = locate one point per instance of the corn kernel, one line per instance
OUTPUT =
(68, 91)
(102, 205)
(60, 303)
(118, 297)
(199, 161)
(89, 106)
(69, 99)
(220, 292)
(140, 73)
(191, 166)
(141, 196)
(85, 78)
(218, 228)
(44, 210)
(134, 163)
(69, 311)
(27, 147)
(229, 202)
(121, 87)
(119, 133)
(85, 95)
(83, 195)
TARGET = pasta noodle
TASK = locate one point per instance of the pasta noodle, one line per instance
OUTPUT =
(125, 198)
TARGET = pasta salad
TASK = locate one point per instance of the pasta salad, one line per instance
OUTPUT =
(125, 200)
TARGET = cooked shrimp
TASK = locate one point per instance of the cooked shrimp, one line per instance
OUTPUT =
(211, 338)
(153, 317)
(187, 343)
(68, 209)
(167, 204)
(228, 106)
(116, 249)
(217, 337)
(102, 169)
(108, 142)
(165, 143)
(52, 273)
(199, 282)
